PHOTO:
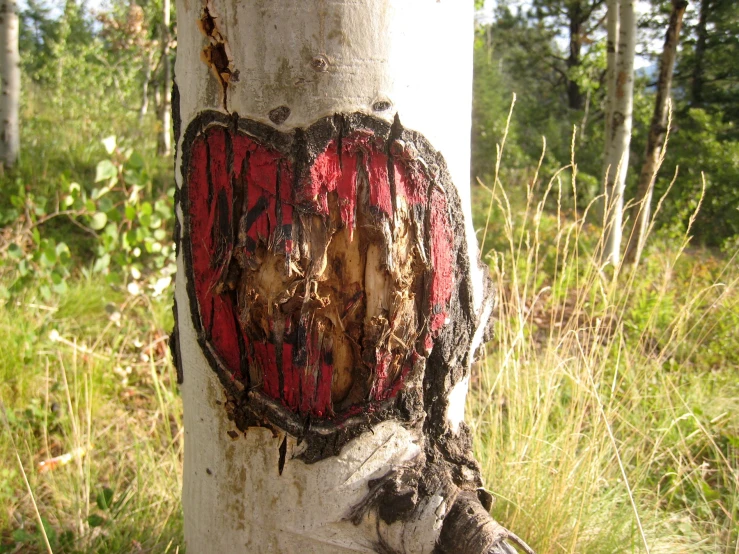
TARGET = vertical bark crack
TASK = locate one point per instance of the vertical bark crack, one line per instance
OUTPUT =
(217, 53)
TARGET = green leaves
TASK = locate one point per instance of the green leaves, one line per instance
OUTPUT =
(129, 225)
(105, 171)
(98, 221)
(104, 498)
(109, 143)
(101, 264)
(95, 520)
(15, 251)
(132, 227)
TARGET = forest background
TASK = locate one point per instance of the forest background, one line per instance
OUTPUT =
(605, 410)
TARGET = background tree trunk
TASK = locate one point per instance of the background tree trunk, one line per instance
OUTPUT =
(657, 134)
(165, 145)
(612, 25)
(144, 108)
(329, 296)
(11, 83)
(618, 122)
(574, 94)
(697, 80)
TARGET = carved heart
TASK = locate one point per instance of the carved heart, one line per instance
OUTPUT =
(320, 261)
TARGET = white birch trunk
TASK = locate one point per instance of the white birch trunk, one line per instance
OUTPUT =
(10, 74)
(165, 145)
(620, 102)
(656, 139)
(144, 108)
(317, 486)
(612, 26)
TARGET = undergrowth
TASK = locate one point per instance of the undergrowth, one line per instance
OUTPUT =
(604, 412)
(90, 415)
(90, 400)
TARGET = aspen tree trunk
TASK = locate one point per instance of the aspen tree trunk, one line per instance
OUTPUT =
(10, 75)
(657, 134)
(165, 146)
(620, 101)
(612, 22)
(574, 13)
(144, 108)
(329, 296)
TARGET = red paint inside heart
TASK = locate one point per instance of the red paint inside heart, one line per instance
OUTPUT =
(231, 173)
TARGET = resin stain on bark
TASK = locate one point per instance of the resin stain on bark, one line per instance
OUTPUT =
(322, 268)
(217, 53)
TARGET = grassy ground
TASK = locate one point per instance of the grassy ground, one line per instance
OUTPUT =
(604, 412)
(84, 366)
(89, 376)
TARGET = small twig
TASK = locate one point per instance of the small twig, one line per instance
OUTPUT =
(54, 336)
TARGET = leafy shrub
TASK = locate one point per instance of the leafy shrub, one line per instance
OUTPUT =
(126, 230)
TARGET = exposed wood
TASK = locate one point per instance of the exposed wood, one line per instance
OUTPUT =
(641, 209)
(308, 270)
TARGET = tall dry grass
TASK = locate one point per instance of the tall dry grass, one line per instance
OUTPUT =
(91, 456)
(599, 423)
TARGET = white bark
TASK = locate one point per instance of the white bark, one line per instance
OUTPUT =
(165, 143)
(619, 108)
(318, 58)
(612, 26)
(657, 137)
(144, 108)
(10, 74)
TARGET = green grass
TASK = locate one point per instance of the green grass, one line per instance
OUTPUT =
(86, 372)
(606, 411)
(90, 375)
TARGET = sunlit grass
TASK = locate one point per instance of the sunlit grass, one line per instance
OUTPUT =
(599, 424)
(96, 383)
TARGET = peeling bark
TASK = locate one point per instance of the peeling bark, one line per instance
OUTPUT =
(216, 53)
(321, 270)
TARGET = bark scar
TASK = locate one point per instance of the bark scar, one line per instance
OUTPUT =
(328, 279)
(217, 54)
(283, 455)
